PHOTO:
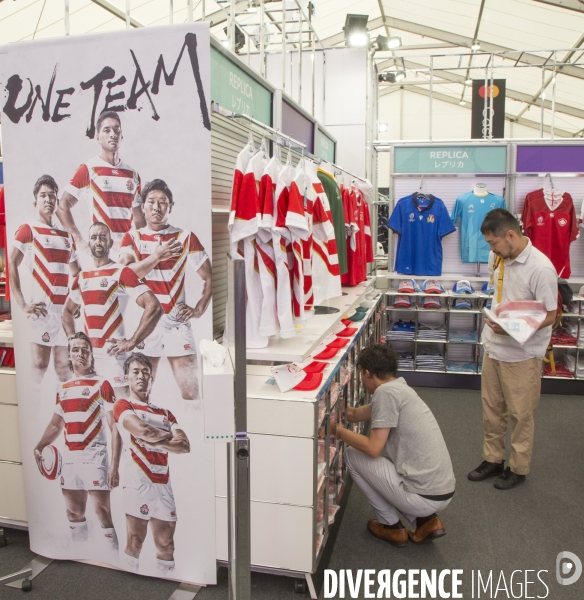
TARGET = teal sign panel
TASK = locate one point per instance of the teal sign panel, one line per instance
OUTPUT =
(450, 159)
(325, 147)
(233, 89)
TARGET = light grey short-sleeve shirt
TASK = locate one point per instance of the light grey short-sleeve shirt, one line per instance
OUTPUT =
(530, 276)
(415, 444)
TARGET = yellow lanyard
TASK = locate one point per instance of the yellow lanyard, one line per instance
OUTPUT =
(499, 262)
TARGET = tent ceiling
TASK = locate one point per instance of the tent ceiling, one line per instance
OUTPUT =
(426, 27)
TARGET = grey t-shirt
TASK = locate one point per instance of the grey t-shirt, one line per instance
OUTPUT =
(415, 444)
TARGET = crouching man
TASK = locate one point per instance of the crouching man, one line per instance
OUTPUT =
(403, 465)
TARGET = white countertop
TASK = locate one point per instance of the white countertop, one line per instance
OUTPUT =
(301, 346)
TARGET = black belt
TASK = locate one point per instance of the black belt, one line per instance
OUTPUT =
(438, 498)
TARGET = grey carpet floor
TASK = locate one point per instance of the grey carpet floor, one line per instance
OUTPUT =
(487, 529)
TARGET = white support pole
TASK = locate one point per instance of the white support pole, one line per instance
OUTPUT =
(170, 11)
(542, 100)
(262, 40)
(401, 113)
(431, 97)
(492, 98)
(300, 36)
(203, 10)
(66, 17)
(486, 122)
(232, 26)
(284, 46)
(553, 98)
(128, 25)
(189, 11)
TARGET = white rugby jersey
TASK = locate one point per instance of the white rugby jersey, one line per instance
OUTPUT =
(111, 193)
(326, 278)
(167, 278)
(83, 403)
(103, 293)
(47, 253)
(148, 464)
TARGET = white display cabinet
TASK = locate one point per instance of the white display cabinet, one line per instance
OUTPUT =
(298, 475)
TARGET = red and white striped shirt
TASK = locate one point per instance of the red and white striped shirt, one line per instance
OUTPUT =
(149, 463)
(47, 253)
(104, 293)
(111, 192)
(167, 278)
(83, 403)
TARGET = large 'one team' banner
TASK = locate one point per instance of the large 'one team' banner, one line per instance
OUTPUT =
(107, 166)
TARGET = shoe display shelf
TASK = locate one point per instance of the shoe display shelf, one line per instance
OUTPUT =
(298, 474)
(460, 328)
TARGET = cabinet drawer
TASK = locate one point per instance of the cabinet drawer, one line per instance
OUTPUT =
(281, 536)
(8, 388)
(9, 436)
(281, 417)
(12, 503)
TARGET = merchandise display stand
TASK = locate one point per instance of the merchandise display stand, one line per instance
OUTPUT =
(298, 473)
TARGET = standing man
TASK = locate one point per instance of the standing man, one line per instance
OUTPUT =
(49, 253)
(84, 403)
(158, 254)
(511, 377)
(111, 187)
(403, 464)
(104, 293)
(149, 434)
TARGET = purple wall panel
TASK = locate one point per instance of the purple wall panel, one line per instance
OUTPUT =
(297, 126)
(552, 159)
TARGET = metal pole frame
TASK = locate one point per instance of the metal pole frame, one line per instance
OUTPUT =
(542, 101)
(262, 41)
(238, 451)
(300, 39)
(232, 26)
(66, 18)
(128, 25)
(553, 99)
(431, 98)
(284, 19)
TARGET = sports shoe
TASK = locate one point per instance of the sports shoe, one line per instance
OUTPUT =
(430, 530)
(486, 469)
(508, 479)
(396, 537)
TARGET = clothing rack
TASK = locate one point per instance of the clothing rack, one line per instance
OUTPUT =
(345, 171)
(274, 132)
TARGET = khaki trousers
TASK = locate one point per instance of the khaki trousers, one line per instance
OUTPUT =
(510, 390)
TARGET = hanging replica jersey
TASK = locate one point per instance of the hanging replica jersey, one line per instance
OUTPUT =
(103, 293)
(359, 242)
(167, 278)
(471, 210)
(111, 192)
(333, 193)
(326, 280)
(144, 464)
(83, 403)
(47, 253)
(421, 223)
(289, 226)
(551, 227)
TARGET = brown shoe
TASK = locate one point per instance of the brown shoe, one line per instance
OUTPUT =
(396, 537)
(427, 532)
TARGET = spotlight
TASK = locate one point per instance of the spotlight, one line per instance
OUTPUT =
(400, 75)
(239, 39)
(356, 31)
(475, 46)
(386, 77)
(382, 127)
(462, 102)
(468, 81)
(385, 43)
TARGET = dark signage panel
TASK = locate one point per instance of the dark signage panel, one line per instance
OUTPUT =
(481, 119)
(296, 125)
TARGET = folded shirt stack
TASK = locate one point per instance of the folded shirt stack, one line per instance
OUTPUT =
(461, 367)
(429, 360)
(561, 371)
(562, 337)
(570, 362)
(431, 332)
(464, 336)
(405, 361)
(402, 330)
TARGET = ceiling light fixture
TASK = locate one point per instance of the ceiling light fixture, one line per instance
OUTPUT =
(468, 81)
(462, 102)
(384, 43)
(382, 127)
(239, 39)
(355, 29)
(475, 46)
(400, 75)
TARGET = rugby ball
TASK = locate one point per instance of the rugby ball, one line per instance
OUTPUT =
(51, 462)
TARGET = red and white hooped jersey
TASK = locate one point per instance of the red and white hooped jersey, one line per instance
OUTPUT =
(359, 241)
(83, 403)
(103, 293)
(148, 463)
(167, 278)
(47, 253)
(111, 193)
